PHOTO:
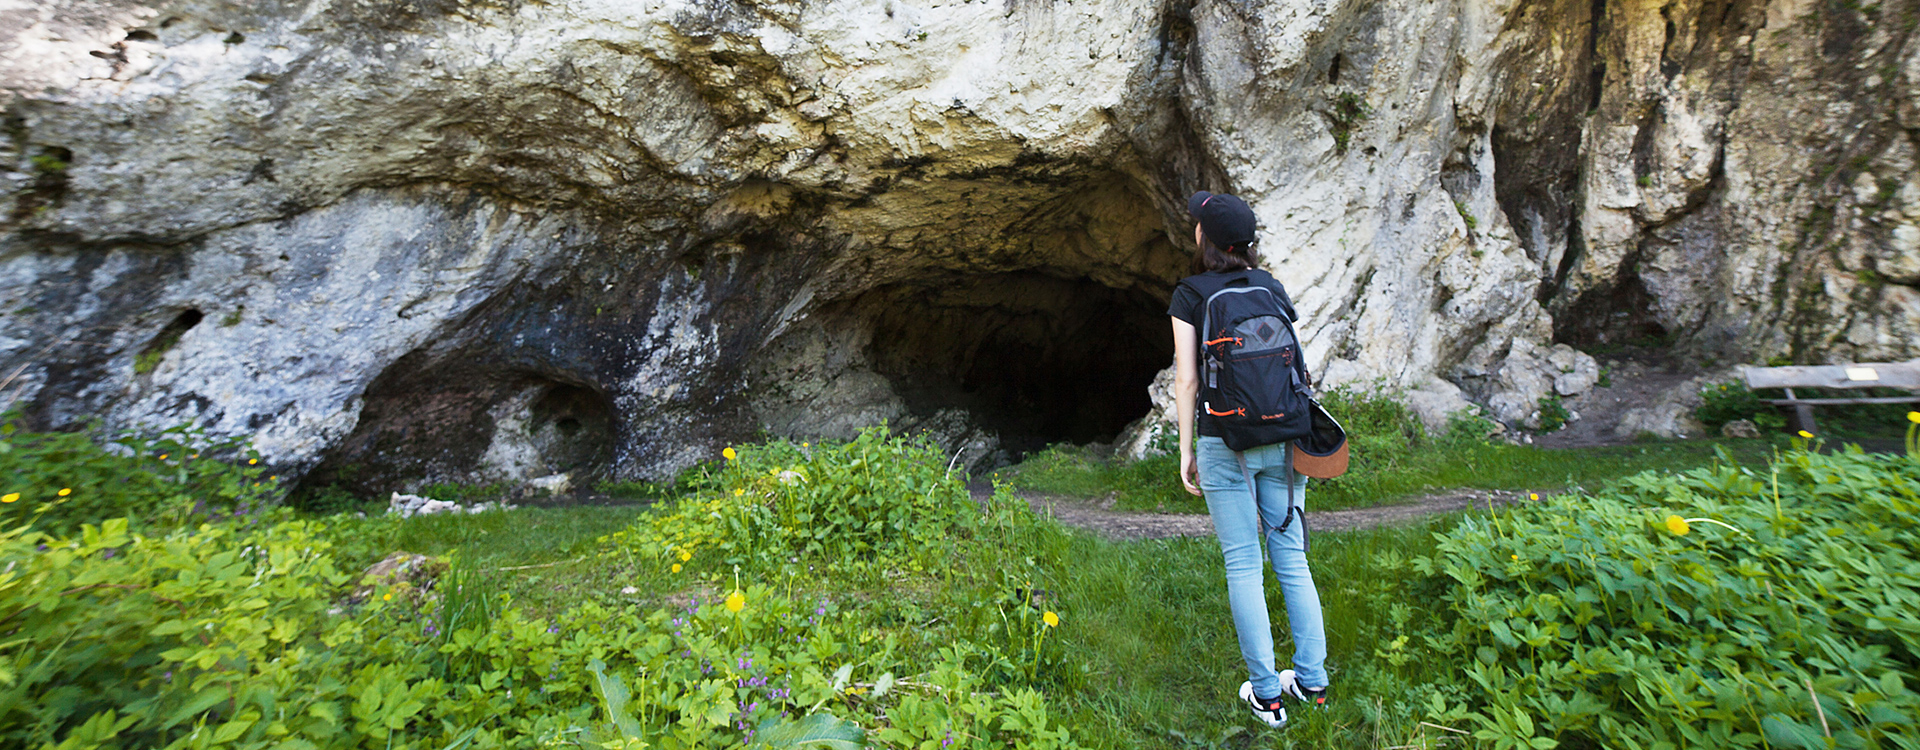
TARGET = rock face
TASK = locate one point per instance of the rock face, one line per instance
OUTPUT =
(402, 241)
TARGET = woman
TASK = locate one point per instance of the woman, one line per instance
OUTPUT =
(1242, 514)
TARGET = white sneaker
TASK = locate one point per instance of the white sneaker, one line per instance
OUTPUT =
(1269, 712)
(1291, 690)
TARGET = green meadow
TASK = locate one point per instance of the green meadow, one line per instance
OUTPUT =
(1702, 594)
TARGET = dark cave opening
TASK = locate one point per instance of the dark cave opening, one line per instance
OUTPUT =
(1035, 358)
(1621, 313)
(164, 341)
(572, 429)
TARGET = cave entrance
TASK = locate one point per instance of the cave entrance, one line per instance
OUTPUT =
(1034, 304)
(1034, 358)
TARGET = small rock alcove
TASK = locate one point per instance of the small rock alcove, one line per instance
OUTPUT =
(451, 423)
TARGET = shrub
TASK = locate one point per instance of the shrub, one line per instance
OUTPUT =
(1381, 431)
(1700, 609)
(1553, 414)
(65, 479)
(207, 636)
(230, 635)
(782, 505)
(1732, 400)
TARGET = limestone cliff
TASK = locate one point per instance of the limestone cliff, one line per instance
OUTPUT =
(398, 240)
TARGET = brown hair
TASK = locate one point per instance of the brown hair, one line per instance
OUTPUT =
(1210, 259)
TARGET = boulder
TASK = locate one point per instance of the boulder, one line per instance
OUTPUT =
(1740, 428)
(406, 576)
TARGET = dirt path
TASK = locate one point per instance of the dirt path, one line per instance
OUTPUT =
(1100, 517)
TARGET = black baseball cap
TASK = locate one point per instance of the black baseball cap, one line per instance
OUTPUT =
(1227, 221)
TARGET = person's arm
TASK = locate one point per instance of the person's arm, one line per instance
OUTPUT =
(1186, 388)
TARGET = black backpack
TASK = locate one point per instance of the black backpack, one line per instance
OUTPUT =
(1253, 380)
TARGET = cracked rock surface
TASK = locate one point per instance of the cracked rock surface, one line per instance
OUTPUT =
(448, 240)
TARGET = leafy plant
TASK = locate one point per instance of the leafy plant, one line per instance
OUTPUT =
(1913, 435)
(1726, 402)
(874, 502)
(1348, 111)
(60, 480)
(48, 164)
(226, 636)
(147, 360)
(1466, 214)
(1553, 414)
(1719, 607)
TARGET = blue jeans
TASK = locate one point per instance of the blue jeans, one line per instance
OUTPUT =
(1240, 520)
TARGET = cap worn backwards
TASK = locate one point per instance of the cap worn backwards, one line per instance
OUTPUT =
(1227, 221)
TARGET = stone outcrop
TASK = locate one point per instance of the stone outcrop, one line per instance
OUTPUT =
(399, 241)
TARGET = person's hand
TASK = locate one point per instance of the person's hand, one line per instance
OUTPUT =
(1190, 473)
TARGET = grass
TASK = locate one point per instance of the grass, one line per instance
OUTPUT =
(1144, 654)
(1153, 657)
(1151, 622)
(555, 541)
(1384, 478)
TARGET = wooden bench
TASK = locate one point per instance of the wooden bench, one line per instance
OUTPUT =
(1900, 375)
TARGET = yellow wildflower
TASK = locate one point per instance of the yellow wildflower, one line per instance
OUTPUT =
(685, 555)
(163, 456)
(1914, 417)
(250, 461)
(729, 453)
(388, 597)
(676, 567)
(738, 491)
(1533, 496)
(65, 491)
(1678, 525)
(9, 497)
(1805, 434)
(1051, 619)
(736, 601)
(1516, 558)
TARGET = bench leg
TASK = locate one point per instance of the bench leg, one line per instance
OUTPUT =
(1803, 418)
